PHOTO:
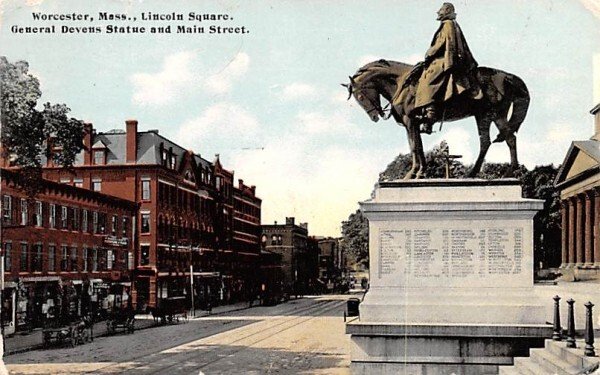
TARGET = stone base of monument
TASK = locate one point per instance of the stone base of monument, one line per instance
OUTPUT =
(451, 284)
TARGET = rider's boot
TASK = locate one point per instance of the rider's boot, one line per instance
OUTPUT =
(428, 119)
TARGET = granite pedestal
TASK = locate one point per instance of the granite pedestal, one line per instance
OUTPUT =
(451, 279)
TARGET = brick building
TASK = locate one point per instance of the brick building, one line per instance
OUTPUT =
(186, 212)
(67, 251)
(299, 254)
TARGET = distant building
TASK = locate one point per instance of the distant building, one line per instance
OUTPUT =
(332, 263)
(67, 252)
(578, 181)
(291, 242)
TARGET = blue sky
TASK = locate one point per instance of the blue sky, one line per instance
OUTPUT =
(269, 102)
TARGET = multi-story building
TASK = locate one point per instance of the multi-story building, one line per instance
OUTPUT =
(186, 211)
(67, 252)
(299, 256)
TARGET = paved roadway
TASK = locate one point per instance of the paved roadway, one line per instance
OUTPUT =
(304, 336)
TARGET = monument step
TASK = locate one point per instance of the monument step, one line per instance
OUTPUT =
(553, 363)
(525, 366)
(508, 370)
(574, 356)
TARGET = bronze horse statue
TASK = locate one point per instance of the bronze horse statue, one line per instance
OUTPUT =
(394, 81)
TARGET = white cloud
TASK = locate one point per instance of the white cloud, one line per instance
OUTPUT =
(298, 90)
(165, 86)
(218, 123)
(221, 81)
(321, 123)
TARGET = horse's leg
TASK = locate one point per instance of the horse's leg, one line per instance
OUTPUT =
(411, 143)
(483, 128)
(511, 141)
(420, 153)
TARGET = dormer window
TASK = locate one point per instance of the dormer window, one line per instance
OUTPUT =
(173, 162)
(189, 176)
(99, 158)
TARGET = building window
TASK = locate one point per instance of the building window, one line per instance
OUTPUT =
(124, 226)
(145, 223)
(24, 211)
(85, 259)
(109, 259)
(113, 225)
(97, 185)
(74, 259)
(52, 217)
(24, 258)
(94, 259)
(146, 190)
(94, 222)
(173, 160)
(101, 223)
(39, 214)
(274, 240)
(84, 221)
(51, 258)
(75, 219)
(64, 224)
(98, 157)
(66, 181)
(64, 260)
(36, 261)
(78, 182)
(8, 256)
(7, 208)
(145, 255)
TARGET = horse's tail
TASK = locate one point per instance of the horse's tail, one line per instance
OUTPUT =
(516, 90)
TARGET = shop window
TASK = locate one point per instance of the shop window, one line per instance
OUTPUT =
(145, 223)
(24, 211)
(145, 189)
(51, 258)
(39, 214)
(145, 255)
(8, 256)
(24, 258)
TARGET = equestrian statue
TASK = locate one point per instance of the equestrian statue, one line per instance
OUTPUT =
(447, 86)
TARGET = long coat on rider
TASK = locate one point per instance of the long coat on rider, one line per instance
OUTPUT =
(449, 65)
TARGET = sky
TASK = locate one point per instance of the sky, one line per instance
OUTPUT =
(269, 101)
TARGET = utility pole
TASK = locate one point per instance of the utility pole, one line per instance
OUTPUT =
(192, 287)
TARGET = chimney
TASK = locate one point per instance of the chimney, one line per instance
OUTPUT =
(289, 221)
(131, 134)
(253, 189)
(88, 135)
(240, 183)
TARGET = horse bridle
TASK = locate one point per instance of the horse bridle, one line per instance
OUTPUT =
(375, 106)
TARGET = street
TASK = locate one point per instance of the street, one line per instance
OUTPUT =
(301, 336)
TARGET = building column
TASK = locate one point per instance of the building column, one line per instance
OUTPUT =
(589, 229)
(580, 230)
(564, 211)
(571, 230)
(596, 221)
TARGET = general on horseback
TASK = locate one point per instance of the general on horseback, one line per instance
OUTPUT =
(447, 86)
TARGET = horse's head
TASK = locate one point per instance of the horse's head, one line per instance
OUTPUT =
(367, 97)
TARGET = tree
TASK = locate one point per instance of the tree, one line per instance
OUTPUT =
(28, 134)
(355, 234)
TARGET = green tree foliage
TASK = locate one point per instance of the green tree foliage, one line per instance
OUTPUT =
(537, 183)
(28, 133)
(355, 233)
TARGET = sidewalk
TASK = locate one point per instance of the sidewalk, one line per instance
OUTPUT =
(33, 340)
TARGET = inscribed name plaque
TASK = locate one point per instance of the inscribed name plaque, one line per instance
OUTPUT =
(450, 255)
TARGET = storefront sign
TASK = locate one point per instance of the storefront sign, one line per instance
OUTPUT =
(116, 241)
